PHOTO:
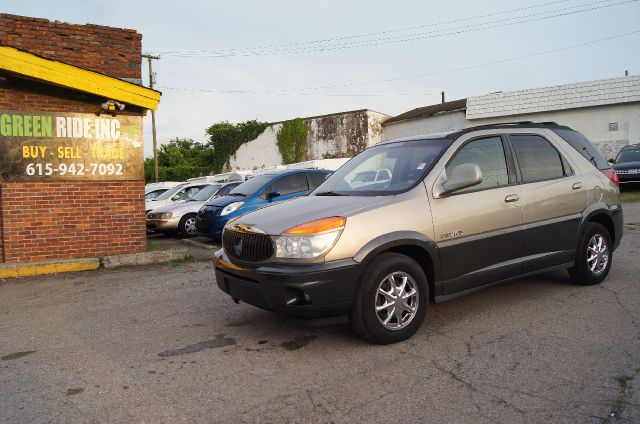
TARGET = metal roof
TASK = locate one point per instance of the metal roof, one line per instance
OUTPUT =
(431, 110)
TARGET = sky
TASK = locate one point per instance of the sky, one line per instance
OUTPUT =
(277, 60)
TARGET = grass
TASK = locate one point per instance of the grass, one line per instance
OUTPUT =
(630, 196)
(154, 247)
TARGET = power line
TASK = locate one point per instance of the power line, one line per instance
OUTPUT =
(483, 26)
(300, 91)
(347, 37)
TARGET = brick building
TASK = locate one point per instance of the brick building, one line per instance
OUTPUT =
(71, 161)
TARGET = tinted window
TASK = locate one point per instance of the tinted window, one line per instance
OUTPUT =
(226, 189)
(155, 193)
(628, 156)
(169, 193)
(316, 178)
(406, 162)
(188, 192)
(250, 187)
(207, 192)
(291, 184)
(583, 146)
(488, 154)
(537, 158)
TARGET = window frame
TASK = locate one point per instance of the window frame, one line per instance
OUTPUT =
(508, 158)
(563, 160)
(308, 175)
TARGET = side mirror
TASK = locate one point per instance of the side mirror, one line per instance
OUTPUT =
(273, 195)
(462, 176)
(175, 198)
(612, 161)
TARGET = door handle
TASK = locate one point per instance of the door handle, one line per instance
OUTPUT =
(577, 186)
(511, 198)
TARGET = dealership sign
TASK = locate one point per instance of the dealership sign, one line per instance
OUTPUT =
(70, 146)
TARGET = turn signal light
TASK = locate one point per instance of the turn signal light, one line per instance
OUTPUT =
(318, 226)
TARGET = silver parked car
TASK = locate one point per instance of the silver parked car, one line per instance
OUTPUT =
(181, 217)
(461, 211)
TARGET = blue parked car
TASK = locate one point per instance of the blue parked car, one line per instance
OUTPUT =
(259, 191)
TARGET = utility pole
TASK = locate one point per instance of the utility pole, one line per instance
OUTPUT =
(152, 78)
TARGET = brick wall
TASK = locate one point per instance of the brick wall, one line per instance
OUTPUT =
(68, 219)
(112, 51)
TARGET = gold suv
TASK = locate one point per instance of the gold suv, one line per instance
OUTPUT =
(457, 212)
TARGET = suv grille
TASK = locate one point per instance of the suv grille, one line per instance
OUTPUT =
(247, 246)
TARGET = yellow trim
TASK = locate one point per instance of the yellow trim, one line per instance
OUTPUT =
(28, 270)
(58, 73)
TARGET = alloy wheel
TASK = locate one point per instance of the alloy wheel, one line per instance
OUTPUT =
(597, 254)
(396, 300)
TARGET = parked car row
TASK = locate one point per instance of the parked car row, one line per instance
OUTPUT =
(204, 205)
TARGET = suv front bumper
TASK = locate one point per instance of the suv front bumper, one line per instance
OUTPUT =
(310, 291)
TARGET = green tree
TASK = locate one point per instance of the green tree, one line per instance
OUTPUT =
(225, 139)
(179, 160)
(291, 141)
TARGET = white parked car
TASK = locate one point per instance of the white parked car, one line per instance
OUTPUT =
(153, 190)
(178, 194)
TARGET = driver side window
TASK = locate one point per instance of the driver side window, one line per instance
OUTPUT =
(488, 154)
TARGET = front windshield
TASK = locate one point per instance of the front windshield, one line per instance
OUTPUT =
(628, 156)
(207, 192)
(169, 193)
(153, 194)
(249, 188)
(385, 169)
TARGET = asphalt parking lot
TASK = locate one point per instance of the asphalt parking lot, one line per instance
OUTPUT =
(162, 344)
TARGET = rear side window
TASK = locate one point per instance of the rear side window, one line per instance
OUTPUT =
(315, 179)
(583, 146)
(537, 158)
(291, 184)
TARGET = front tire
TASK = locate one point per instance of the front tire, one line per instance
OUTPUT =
(187, 226)
(391, 300)
(593, 256)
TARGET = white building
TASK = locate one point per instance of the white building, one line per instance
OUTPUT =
(606, 111)
(336, 135)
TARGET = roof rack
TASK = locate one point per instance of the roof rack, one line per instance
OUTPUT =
(497, 125)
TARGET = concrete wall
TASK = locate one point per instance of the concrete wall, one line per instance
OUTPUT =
(329, 136)
(427, 125)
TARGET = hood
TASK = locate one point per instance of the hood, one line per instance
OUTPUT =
(626, 165)
(221, 202)
(182, 208)
(279, 217)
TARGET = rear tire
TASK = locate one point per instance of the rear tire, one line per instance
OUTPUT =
(391, 301)
(187, 226)
(593, 255)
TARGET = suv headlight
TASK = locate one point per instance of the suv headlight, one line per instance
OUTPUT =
(231, 207)
(309, 240)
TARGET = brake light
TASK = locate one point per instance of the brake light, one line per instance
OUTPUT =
(611, 174)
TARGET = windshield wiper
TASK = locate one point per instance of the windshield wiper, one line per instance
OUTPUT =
(329, 193)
